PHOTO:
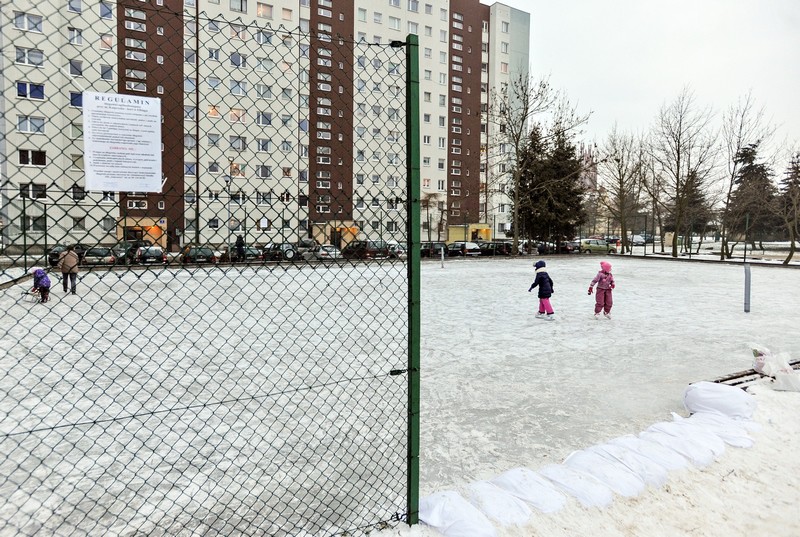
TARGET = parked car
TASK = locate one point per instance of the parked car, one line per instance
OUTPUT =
(127, 249)
(398, 251)
(613, 240)
(322, 252)
(250, 254)
(463, 249)
(279, 251)
(597, 246)
(149, 255)
(99, 256)
(648, 238)
(366, 250)
(197, 254)
(55, 252)
(305, 245)
(432, 249)
(637, 240)
(496, 248)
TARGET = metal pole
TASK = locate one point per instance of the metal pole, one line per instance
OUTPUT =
(746, 225)
(25, 234)
(414, 310)
(747, 287)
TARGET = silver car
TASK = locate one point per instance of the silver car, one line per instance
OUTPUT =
(322, 252)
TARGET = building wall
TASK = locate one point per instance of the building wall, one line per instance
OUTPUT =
(308, 172)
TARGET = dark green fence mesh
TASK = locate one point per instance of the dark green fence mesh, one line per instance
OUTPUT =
(192, 385)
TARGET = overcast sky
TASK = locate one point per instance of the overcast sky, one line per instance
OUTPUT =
(623, 59)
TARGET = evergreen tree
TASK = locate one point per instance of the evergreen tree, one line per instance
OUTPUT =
(550, 190)
(752, 204)
(788, 204)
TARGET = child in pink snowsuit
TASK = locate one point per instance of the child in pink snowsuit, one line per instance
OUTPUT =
(605, 283)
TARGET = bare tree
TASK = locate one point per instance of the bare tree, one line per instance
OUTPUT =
(513, 108)
(743, 125)
(621, 172)
(684, 150)
(788, 204)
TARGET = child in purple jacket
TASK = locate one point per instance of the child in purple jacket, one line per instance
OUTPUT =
(41, 284)
(605, 283)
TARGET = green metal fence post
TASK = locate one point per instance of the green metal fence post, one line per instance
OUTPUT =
(413, 222)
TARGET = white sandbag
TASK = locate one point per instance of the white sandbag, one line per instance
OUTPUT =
(661, 455)
(497, 504)
(787, 381)
(648, 470)
(768, 363)
(454, 516)
(731, 432)
(586, 489)
(613, 474)
(714, 397)
(697, 455)
(532, 488)
(694, 433)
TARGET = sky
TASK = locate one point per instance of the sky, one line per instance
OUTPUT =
(623, 59)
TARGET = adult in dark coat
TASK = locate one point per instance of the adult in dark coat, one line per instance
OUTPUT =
(240, 248)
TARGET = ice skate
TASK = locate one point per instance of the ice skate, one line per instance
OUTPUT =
(607, 316)
(551, 317)
(596, 316)
(540, 315)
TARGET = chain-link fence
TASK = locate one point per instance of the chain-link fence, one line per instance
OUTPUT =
(233, 355)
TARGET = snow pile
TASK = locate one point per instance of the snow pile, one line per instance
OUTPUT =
(720, 415)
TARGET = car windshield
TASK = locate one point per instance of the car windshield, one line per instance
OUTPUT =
(151, 251)
(98, 252)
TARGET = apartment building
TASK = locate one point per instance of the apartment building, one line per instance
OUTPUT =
(280, 119)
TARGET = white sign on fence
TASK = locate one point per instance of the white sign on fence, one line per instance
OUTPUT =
(122, 142)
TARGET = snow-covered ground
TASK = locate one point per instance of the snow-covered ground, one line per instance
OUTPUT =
(500, 389)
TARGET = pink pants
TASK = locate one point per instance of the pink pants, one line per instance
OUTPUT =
(603, 300)
(544, 306)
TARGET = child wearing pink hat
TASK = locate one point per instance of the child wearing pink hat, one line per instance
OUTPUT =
(605, 283)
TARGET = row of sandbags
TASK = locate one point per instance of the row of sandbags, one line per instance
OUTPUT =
(720, 416)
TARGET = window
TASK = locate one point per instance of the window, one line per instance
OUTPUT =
(213, 140)
(238, 32)
(237, 115)
(75, 130)
(136, 26)
(33, 223)
(77, 192)
(27, 22)
(135, 55)
(30, 124)
(213, 111)
(504, 27)
(74, 6)
(239, 6)
(413, 5)
(238, 143)
(263, 10)
(29, 56)
(504, 47)
(238, 60)
(238, 87)
(213, 223)
(394, 23)
(263, 37)
(106, 72)
(264, 118)
(33, 190)
(76, 99)
(107, 11)
(263, 171)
